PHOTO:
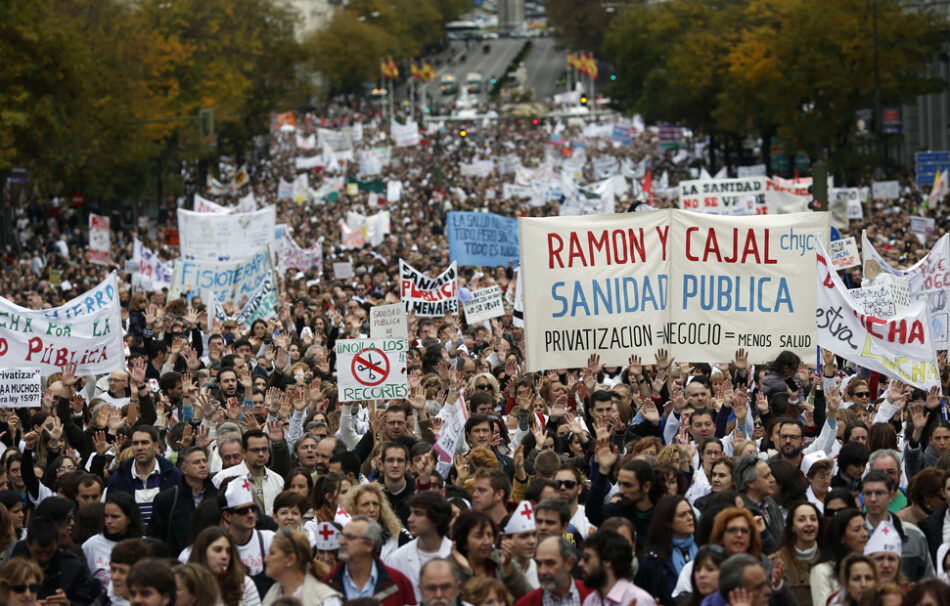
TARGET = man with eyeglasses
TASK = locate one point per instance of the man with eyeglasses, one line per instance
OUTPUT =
(877, 491)
(118, 393)
(570, 485)
(266, 483)
(439, 584)
(361, 574)
(888, 461)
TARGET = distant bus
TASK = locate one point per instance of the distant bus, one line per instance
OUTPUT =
(473, 83)
(448, 85)
(462, 30)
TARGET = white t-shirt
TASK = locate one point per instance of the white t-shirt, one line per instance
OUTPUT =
(98, 552)
(250, 553)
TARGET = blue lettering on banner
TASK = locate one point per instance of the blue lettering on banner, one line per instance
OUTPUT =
(611, 296)
(228, 281)
(736, 293)
(802, 243)
(482, 239)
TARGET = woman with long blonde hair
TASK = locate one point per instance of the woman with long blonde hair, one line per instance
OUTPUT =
(370, 500)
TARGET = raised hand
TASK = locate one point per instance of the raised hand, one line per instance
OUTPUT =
(203, 436)
(741, 361)
(234, 409)
(56, 431)
(275, 431)
(663, 359)
(137, 372)
(634, 366)
(605, 454)
(101, 443)
(417, 398)
(187, 437)
(933, 398)
(69, 377)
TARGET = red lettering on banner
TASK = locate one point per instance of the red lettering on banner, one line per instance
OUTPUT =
(575, 251)
(690, 230)
(664, 233)
(555, 252)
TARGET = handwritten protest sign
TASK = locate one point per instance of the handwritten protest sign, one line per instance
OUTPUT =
(388, 322)
(371, 369)
(698, 285)
(262, 305)
(228, 281)
(452, 429)
(213, 237)
(485, 304)
(203, 205)
(86, 330)
(20, 388)
(844, 253)
(100, 239)
(147, 263)
(482, 239)
(928, 280)
(291, 256)
(899, 346)
(886, 190)
(922, 227)
(874, 299)
(429, 297)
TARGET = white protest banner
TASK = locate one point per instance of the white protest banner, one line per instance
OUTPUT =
(215, 237)
(393, 191)
(309, 142)
(404, 135)
(148, 264)
(745, 196)
(844, 253)
(100, 239)
(229, 281)
(370, 163)
(291, 256)
(449, 435)
(86, 330)
(886, 190)
(899, 288)
(203, 205)
(343, 270)
(285, 190)
(928, 280)
(337, 140)
(477, 168)
(262, 305)
(485, 304)
(922, 227)
(429, 297)
(874, 299)
(247, 204)
(756, 170)
(388, 322)
(900, 346)
(605, 167)
(371, 369)
(700, 286)
(20, 388)
(585, 202)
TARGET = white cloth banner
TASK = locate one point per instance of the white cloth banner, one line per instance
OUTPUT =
(247, 204)
(743, 196)
(359, 229)
(229, 281)
(86, 330)
(100, 240)
(307, 163)
(203, 205)
(928, 280)
(214, 237)
(698, 285)
(900, 346)
(261, 305)
(449, 435)
(159, 274)
(404, 135)
(291, 256)
(309, 142)
(393, 191)
(429, 297)
(756, 170)
(477, 168)
(285, 190)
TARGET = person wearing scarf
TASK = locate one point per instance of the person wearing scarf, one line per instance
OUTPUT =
(670, 545)
(799, 549)
(122, 521)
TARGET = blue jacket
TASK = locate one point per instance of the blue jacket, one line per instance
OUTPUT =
(122, 480)
(658, 577)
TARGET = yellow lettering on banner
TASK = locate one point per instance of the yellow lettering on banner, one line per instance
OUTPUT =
(920, 372)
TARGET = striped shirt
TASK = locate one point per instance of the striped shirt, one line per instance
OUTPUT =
(146, 489)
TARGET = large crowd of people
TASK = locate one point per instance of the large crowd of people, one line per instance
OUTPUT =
(218, 466)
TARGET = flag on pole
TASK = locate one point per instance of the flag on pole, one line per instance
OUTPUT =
(592, 67)
(581, 63)
(415, 71)
(384, 68)
(940, 189)
(571, 60)
(393, 70)
(428, 72)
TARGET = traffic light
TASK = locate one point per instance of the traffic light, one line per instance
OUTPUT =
(206, 121)
(494, 80)
(535, 122)
(584, 100)
(463, 133)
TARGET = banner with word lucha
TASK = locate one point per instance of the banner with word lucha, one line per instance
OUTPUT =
(701, 286)
(928, 279)
(86, 330)
(371, 369)
(899, 346)
(482, 238)
(215, 237)
(429, 297)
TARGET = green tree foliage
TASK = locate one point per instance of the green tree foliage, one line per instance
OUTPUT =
(796, 68)
(581, 24)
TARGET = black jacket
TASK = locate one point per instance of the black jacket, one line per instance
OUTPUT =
(65, 571)
(597, 511)
(171, 514)
(932, 527)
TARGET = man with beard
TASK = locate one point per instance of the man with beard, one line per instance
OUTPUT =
(791, 436)
(606, 564)
(640, 488)
(555, 559)
(754, 481)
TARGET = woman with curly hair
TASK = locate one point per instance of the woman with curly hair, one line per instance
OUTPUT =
(214, 549)
(370, 500)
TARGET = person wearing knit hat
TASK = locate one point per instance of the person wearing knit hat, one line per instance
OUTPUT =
(884, 547)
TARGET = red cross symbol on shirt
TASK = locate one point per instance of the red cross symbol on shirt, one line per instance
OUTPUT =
(342, 512)
(526, 512)
(245, 484)
(326, 533)
(885, 530)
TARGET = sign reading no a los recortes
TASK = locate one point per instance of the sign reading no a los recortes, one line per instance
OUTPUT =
(371, 369)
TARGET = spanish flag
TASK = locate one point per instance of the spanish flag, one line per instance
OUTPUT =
(415, 71)
(592, 67)
(393, 70)
(581, 62)
(384, 69)
(571, 60)
(428, 72)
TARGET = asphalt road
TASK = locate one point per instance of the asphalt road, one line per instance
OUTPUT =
(544, 66)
